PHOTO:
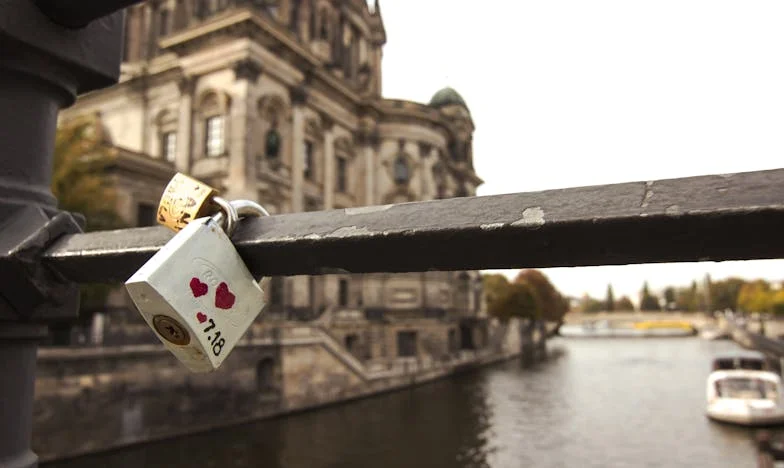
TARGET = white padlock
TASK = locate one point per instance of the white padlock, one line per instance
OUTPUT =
(196, 292)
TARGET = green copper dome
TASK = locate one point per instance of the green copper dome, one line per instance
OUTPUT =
(446, 97)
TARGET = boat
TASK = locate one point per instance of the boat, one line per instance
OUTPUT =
(743, 389)
(642, 329)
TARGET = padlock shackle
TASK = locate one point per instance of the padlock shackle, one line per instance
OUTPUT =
(227, 217)
(249, 208)
(232, 211)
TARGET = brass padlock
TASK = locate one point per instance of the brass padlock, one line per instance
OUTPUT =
(184, 200)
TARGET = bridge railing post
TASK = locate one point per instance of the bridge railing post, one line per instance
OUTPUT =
(45, 63)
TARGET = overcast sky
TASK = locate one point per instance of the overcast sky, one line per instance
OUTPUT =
(567, 93)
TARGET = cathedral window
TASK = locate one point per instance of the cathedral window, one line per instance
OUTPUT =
(309, 157)
(341, 169)
(214, 141)
(169, 146)
(401, 171)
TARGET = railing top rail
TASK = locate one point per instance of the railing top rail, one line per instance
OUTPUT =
(706, 218)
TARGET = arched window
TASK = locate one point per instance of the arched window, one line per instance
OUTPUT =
(167, 135)
(212, 108)
(401, 172)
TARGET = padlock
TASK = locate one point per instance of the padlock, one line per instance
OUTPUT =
(196, 292)
(184, 199)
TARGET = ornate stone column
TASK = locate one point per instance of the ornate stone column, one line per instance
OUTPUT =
(182, 161)
(369, 143)
(298, 98)
(241, 181)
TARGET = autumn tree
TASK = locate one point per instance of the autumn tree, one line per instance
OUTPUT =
(648, 301)
(755, 296)
(669, 298)
(724, 293)
(624, 304)
(79, 179)
(687, 299)
(518, 300)
(553, 305)
(610, 300)
(777, 302)
(81, 185)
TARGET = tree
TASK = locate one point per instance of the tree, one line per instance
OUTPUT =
(590, 305)
(624, 304)
(777, 302)
(80, 183)
(553, 305)
(669, 298)
(79, 179)
(517, 300)
(610, 301)
(687, 299)
(495, 287)
(724, 293)
(648, 301)
(755, 297)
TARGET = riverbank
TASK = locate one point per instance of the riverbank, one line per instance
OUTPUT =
(96, 399)
(593, 403)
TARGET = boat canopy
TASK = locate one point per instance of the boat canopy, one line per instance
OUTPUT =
(750, 360)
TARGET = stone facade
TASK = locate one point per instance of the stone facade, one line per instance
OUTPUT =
(279, 102)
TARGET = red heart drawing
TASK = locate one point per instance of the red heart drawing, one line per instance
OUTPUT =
(201, 317)
(198, 288)
(224, 299)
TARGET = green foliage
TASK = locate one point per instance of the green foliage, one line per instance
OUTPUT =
(553, 305)
(79, 179)
(81, 185)
(724, 294)
(624, 304)
(495, 286)
(648, 302)
(518, 300)
(530, 295)
(610, 301)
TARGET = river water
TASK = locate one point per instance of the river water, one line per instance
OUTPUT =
(593, 403)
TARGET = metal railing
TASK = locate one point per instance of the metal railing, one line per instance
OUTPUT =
(53, 53)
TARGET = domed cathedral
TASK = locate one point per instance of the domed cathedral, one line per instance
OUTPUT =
(279, 101)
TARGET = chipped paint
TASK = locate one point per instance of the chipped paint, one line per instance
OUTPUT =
(491, 226)
(367, 209)
(673, 210)
(647, 195)
(350, 231)
(532, 216)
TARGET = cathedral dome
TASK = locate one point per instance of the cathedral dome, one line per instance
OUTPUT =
(447, 97)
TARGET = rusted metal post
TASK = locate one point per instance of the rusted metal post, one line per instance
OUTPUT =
(43, 67)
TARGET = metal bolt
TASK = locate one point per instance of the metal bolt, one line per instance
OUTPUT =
(171, 330)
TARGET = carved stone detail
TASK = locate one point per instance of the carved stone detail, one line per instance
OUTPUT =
(247, 70)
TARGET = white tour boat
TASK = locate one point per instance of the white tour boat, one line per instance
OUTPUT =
(742, 389)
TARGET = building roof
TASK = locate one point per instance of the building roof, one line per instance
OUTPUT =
(446, 97)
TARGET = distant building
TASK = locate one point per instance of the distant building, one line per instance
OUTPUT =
(280, 102)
